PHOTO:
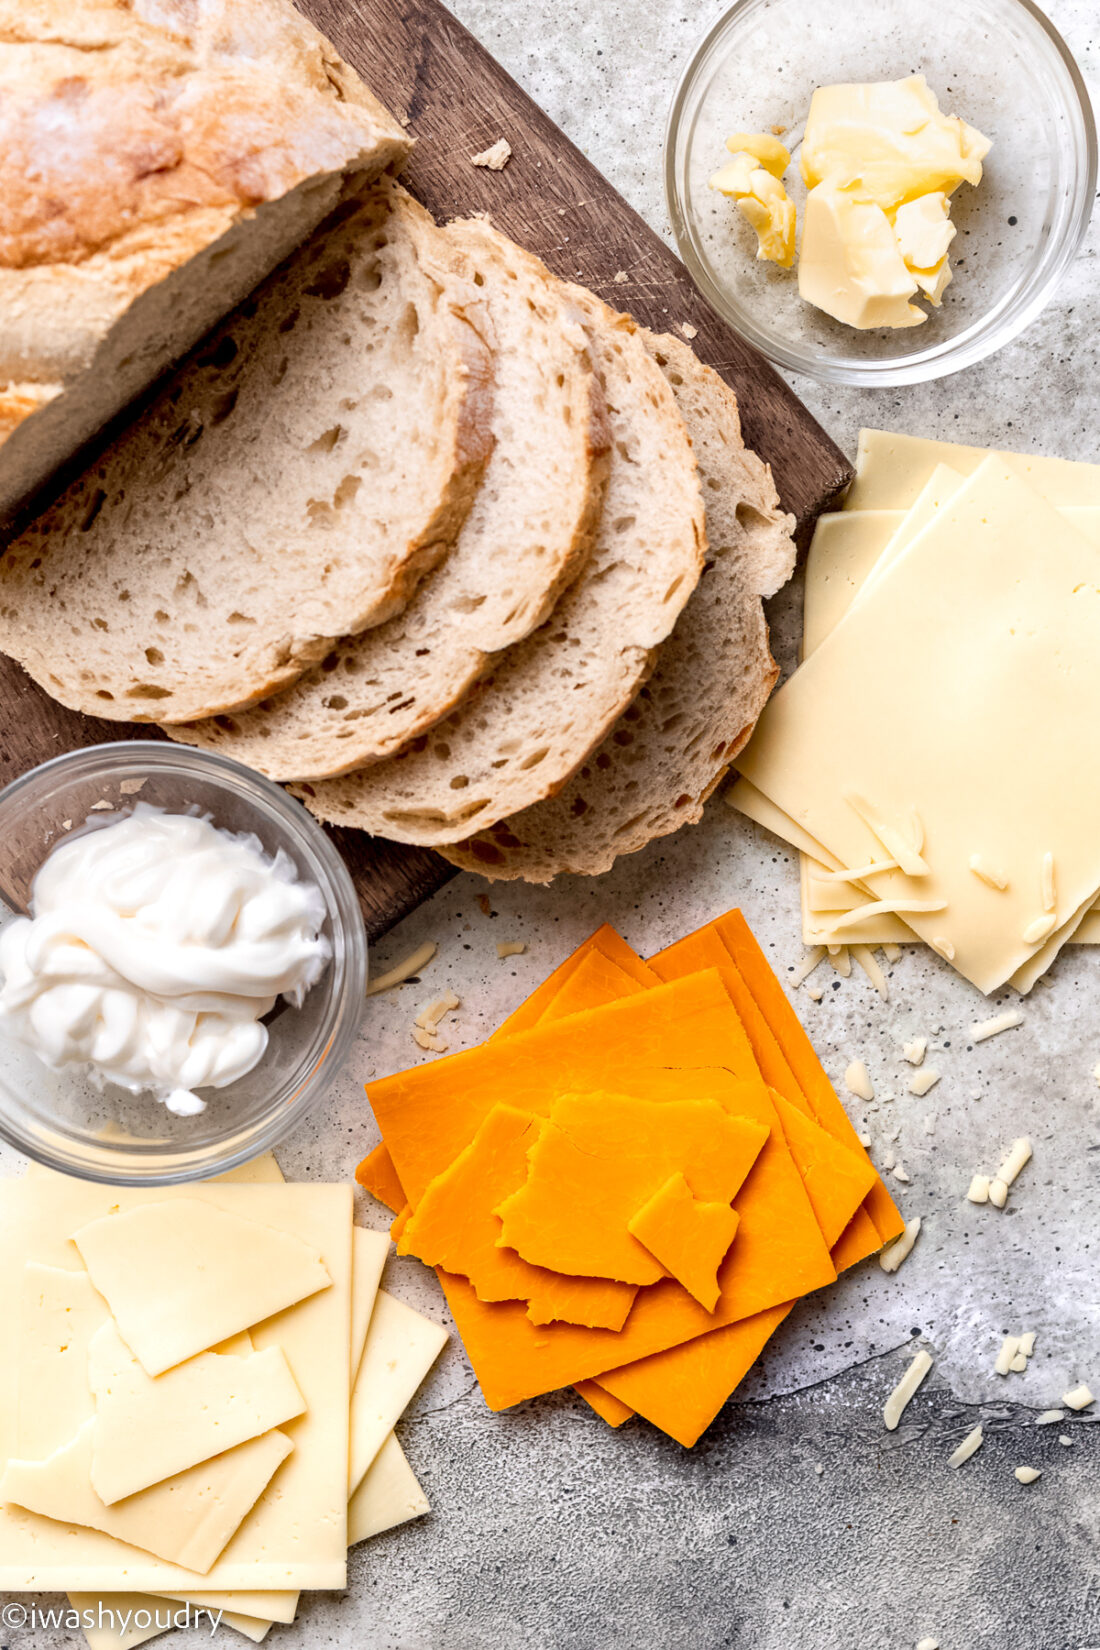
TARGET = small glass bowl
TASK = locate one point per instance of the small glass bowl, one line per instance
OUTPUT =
(62, 1119)
(998, 63)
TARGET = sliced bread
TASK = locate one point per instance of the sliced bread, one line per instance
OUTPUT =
(672, 746)
(527, 536)
(526, 727)
(291, 484)
(157, 159)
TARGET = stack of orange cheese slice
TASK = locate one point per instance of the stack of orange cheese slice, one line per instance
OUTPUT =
(627, 1187)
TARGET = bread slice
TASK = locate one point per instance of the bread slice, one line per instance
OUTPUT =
(673, 745)
(291, 484)
(158, 159)
(528, 534)
(527, 726)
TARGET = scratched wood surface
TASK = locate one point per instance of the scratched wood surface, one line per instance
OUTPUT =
(458, 100)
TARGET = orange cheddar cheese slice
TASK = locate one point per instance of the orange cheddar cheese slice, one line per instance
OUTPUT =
(454, 1226)
(608, 1408)
(608, 944)
(377, 1174)
(682, 1389)
(595, 980)
(689, 1237)
(738, 938)
(599, 1157)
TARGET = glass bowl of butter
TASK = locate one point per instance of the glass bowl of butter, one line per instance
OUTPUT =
(182, 964)
(876, 194)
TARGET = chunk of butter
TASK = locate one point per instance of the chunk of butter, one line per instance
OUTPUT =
(751, 178)
(893, 138)
(851, 266)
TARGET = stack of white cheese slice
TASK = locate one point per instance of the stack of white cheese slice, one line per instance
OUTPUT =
(933, 760)
(201, 1398)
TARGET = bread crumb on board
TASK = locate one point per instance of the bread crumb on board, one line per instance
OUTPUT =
(405, 970)
(130, 787)
(620, 277)
(688, 330)
(425, 1028)
(496, 157)
(511, 948)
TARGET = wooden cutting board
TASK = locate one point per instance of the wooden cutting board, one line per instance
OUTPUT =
(427, 68)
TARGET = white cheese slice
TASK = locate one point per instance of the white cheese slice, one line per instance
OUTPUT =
(295, 1535)
(147, 1430)
(263, 1606)
(896, 1403)
(258, 1171)
(183, 1275)
(891, 469)
(401, 1348)
(972, 593)
(61, 1312)
(186, 1520)
(389, 1495)
(368, 1257)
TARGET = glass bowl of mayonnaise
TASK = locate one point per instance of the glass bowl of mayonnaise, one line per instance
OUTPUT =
(815, 201)
(182, 964)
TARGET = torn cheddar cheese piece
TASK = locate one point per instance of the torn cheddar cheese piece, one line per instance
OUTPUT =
(455, 1226)
(690, 1238)
(600, 1157)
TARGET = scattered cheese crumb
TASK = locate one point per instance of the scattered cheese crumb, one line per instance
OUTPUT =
(1096, 1072)
(66, 824)
(978, 1190)
(130, 787)
(1009, 1347)
(970, 1445)
(888, 1162)
(992, 1028)
(496, 157)
(815, 993)
(892, 952)
(900, 1173)
(892, 1256)
(620, 277)
(975, 1094)
(1062, 1439)
(818, 1468)
(929, 1644)
(1019, 1154)
(867, 960)
(988, 873)
(1040, 928)
(511, 948)
(922, 1081)
(425, 1028)
(858, 1082)
(810, 961)
(1049, 1417)
(1079, 1397)
(1046, 883)
(688, 330)
(895, 1405)
(413, 963)
(1025, 1346)
(998, 1193)
(915, 1051)
(864, 1140)
(1026, 1475)
(99, 807)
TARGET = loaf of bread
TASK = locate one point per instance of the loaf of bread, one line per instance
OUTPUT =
(157, 159)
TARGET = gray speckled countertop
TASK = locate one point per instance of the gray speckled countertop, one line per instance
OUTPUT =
(550, 1532)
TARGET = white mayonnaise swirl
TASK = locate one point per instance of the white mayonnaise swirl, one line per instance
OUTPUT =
(155, 946)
